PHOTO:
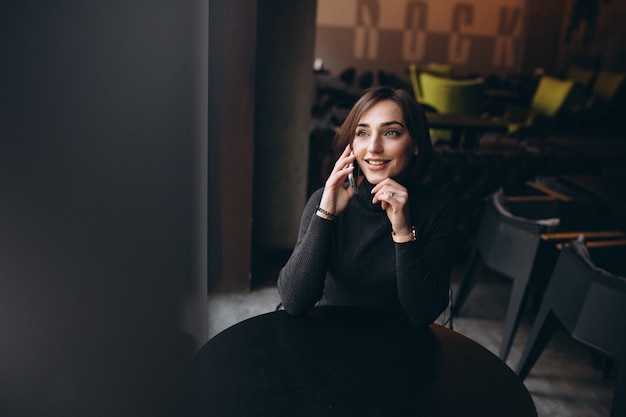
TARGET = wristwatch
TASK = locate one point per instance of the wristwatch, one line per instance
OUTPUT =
(411, 237)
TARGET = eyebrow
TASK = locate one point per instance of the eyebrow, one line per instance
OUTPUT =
(384, 124)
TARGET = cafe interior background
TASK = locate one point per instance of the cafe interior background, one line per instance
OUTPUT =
(498, 39)
(139, 172)
(271, 133)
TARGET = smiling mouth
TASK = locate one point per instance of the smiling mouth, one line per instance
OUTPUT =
(376, 163)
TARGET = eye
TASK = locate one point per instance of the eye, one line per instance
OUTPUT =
(361, 133)
(392, 132)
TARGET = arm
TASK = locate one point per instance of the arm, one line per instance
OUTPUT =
(424, 266)
(301, 280)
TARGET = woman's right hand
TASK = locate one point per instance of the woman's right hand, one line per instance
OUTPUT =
(335, 197)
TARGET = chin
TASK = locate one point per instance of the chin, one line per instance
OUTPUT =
(375, 179)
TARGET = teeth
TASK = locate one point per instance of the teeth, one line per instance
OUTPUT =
(375, 162)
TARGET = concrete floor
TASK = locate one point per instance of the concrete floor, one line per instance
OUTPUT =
(563, 383)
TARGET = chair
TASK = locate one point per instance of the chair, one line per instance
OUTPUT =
(415, 82)
(605, 88)
(546, 106)
(521, 249)
(581, 76)
(509, 245)
(597, 110)
(583, 81)
(442, 70)
(452, 96)
(589, 301)
(365, 80)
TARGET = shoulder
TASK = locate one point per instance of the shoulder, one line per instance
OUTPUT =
(434, 204)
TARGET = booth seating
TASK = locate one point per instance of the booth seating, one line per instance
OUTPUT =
(586, 296)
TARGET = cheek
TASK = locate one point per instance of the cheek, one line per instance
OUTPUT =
(358, 148)
(403, 151)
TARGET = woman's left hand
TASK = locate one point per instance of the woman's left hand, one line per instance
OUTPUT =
(394, 199)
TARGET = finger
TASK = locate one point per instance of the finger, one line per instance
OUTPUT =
(344, 160)
(339, 176)
(379, 196)
(386, 183)
(383, 195)
(390, 199)
(346, 156)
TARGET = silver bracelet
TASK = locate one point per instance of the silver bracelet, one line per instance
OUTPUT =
(327, 214)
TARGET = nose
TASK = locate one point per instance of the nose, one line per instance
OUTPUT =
(375, 144)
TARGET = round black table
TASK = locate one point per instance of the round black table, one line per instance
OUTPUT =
(345, 361)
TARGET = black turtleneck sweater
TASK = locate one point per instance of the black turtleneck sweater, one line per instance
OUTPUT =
(354, 261)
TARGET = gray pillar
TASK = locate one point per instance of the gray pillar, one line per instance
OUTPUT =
(284, 96)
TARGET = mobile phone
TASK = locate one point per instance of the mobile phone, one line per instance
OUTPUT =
(353, 176)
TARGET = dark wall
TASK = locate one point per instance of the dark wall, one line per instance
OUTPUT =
(544, 28)
(102, 207)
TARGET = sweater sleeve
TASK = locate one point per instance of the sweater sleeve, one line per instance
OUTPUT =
(301, 281)
(423, 267)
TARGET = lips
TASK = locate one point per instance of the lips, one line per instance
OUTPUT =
(376, 163)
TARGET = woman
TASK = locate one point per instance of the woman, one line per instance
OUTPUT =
(388, 242)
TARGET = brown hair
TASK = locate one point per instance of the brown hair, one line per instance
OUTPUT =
(414, 119)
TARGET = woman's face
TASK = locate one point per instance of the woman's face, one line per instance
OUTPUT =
(381, 143)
